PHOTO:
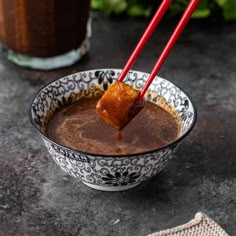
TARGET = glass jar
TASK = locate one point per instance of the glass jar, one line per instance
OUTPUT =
(45, 34)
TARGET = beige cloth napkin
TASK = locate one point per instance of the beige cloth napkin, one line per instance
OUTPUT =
(201, 225)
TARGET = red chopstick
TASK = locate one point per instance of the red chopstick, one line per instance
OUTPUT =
(175, 35)
(146, 35)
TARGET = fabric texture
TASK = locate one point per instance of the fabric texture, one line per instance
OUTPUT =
(201, 225)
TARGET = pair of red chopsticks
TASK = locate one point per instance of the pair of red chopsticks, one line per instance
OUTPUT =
(148, 32)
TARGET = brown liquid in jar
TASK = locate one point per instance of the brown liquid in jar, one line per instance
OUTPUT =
(43, 28)
(78, 126)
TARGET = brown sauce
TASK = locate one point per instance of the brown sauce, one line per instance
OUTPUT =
(78, 126)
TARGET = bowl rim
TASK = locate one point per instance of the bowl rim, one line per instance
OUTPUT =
(100, 155)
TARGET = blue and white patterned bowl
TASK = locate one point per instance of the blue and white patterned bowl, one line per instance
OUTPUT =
(110, 172)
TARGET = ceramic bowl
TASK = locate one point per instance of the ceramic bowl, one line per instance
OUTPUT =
(110, 172)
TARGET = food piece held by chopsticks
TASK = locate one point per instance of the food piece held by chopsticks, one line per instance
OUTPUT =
(118, 105)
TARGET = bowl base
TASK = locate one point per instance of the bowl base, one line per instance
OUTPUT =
(49, 63)
(110, 188)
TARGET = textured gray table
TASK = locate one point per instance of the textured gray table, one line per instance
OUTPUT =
(36, 198)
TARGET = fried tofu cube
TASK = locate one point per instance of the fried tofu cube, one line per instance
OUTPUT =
(118, 105)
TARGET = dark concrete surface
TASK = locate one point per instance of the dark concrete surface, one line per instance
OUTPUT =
(37, 198)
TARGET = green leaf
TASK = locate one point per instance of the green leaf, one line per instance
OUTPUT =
(110, 6)
(201, 13)
(96, 4)
(115, 6)
(178, 7)
(202, 10)
(221, 2)
(229, 9)
(139, 10)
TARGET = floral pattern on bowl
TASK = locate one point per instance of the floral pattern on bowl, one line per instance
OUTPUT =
(110, 172)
